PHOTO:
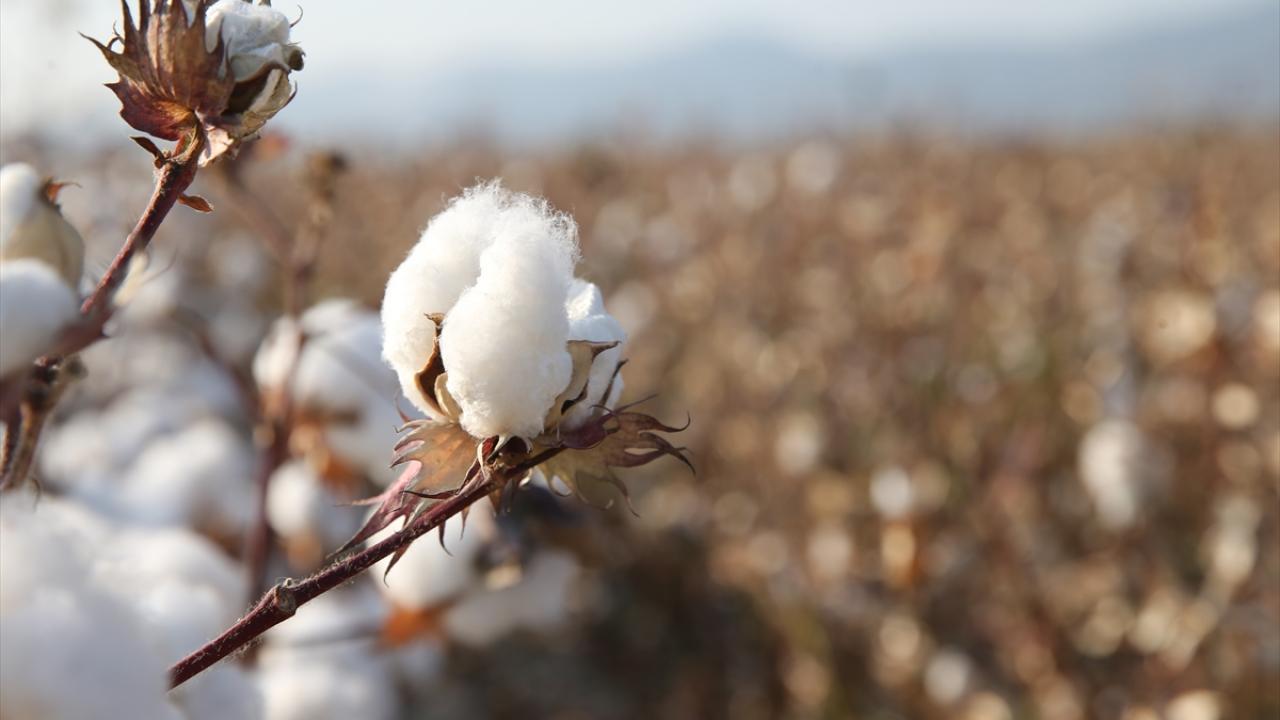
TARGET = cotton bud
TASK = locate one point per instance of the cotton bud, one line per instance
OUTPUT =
(203, 70)
(35, 305)
(32, 227)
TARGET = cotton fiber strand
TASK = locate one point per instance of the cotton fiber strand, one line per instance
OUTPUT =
(445, 262)
(504, 343)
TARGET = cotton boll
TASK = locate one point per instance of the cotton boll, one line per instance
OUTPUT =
(255, 36)
(312, 686)
(540, 601)
(35, 304)
(200, 476)
(589, 321)
(31, 227)
(68, 649)
(504, 342)
(428, 575)
(143, 556)
(223, 692)
(1110, 460)
(444, 262)
(300, 506)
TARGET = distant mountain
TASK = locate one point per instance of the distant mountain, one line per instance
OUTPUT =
(1222, 66)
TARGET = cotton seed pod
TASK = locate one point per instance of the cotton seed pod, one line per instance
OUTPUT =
(32, 227)
(218, 69)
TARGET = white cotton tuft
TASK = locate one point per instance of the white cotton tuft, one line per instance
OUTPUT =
(35, 304)
(255, 35)
(540, 601)
(1111, 458)
(588, 320)
(300, 506)
(340, 374)
(428, 574)
(313, 686)
(444, 263)
(69, 649)
(200, 476)
(19, 195)
(504, 342)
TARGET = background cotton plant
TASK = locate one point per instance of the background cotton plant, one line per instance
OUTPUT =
(983, 426)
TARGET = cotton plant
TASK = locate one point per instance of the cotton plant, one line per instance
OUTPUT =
(326, 364)
(512, 359)
(112, 605)
(41, 259)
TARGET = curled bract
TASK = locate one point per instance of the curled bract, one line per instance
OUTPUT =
(199, 70)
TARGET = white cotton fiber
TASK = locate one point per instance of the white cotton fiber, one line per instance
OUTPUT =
(69, 648)
(588, 320)
(504, 342)
(200, 476)
(254, 34)
(299, 505)
(427, 575)
(341, 374)
(35, 304)
(445, 262)
(539, 602)
(19, 193)
(312, 685)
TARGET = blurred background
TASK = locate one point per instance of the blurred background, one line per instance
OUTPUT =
(974, 308)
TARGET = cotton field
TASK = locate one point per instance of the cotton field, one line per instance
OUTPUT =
(836, 423)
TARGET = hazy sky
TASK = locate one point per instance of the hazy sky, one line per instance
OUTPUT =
(49, 75)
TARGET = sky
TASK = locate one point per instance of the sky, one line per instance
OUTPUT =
(49, 75)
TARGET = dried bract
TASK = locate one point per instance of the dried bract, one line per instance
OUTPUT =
(213, 71)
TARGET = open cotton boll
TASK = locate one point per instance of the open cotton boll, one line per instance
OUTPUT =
(504, 342)
(427, 574)
(200, 476)
(539, 602)
(340, 372)
(444, 262)
(20, 188)
(254, 35)
(588, 320)
(143, 556)
(223, 692)
(35, 304)
(300, 505)
(68, 648)
(315, 685)
(31, 226)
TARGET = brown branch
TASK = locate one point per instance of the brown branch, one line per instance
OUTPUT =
(174, 175)
(283, 600)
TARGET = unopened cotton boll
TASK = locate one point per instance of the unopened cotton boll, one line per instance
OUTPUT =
(35, 305)
(31, 227)
(504, 343)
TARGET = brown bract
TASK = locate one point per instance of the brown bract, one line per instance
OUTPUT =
(172, 85)
(442, 461)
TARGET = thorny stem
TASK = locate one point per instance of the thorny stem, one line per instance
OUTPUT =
(174, 175)
(283, 600)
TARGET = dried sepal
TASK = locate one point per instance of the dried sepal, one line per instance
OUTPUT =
(437, 457)
(197, 203)
(176, 81)
(618, 438)
(582, 353)
(169, 81)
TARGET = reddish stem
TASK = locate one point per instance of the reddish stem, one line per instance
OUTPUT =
(283, 600)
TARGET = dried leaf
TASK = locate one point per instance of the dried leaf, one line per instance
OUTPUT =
(197, 203)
